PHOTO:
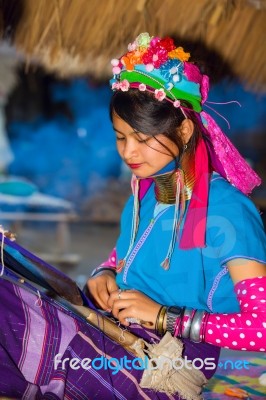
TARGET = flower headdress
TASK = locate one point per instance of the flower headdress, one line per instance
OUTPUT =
(158, 66)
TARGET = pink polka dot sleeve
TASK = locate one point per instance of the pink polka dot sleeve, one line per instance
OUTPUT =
(245, 330)
(111, 263)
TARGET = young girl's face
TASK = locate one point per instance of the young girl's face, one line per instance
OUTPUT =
(145, 155)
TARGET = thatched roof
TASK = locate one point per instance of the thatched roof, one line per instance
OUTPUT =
(73, 37)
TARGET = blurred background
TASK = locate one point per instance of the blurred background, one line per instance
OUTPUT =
(62, 184)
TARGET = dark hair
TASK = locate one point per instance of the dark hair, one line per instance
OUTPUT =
(147, 115)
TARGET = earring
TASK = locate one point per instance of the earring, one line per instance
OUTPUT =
(185, 147)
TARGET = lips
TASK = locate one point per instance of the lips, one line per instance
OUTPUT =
(134, 166)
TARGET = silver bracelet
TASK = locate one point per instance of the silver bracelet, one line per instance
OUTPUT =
(186, 330)
(196, 325)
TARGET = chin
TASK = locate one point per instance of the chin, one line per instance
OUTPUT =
(141, 174)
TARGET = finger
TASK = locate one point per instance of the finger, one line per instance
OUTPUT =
(129, 313)
(100, 295)
(119, 305)
(111, 286)
(123, 314)
(102, 299)
(114, 295)
(99, 290)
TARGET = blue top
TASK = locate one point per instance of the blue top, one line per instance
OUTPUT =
(199, 277)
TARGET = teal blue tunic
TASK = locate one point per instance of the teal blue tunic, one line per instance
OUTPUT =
(199, 277)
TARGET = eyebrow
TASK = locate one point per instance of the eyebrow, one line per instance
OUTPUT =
(122, 133)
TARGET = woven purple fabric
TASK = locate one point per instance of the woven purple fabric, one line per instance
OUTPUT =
(33, 332)
(35, 329)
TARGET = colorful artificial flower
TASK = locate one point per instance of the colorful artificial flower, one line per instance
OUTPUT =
(132, 58)
(176, 103)
(167, 43)
(160, 94)
(155, 55)
(132, 46)
(143, 40)
(124, 85)
(154, 41)
(172, 70)
(115, 85)
(142, 87)
(180, 54)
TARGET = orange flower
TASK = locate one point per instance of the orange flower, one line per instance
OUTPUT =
(179, 53)
(132, 58)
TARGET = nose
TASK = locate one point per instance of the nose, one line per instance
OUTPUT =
(130, 149)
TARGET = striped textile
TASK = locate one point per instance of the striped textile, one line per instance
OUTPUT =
(33, 332)
(36, 328)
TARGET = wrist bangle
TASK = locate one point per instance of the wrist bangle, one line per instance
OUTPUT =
(203, 327)
(196, 325)
(160, 320)
(156, 322)
(97, 271)
(178, 326)
(162, 314)
(186, 322)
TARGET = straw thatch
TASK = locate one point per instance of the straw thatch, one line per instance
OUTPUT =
(73, 37)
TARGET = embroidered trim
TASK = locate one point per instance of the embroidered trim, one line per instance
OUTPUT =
(139, 244)
(216, 282)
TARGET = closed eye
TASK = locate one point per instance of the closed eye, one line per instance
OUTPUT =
(143, 140)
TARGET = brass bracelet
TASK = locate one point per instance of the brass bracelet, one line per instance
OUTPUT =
(161, 316)
(156, 322)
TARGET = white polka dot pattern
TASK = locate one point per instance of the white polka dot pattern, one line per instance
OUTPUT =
(245, 330)
(109, 263)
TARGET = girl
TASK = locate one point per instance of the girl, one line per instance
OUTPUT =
(189, 264)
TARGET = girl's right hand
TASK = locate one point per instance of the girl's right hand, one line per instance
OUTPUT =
(100, 287)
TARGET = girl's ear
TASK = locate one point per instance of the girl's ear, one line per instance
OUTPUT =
(186, 130)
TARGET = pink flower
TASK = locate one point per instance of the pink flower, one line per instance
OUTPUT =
(176, 104)
(142, 87)
(132, 46)
(154, 41)
(155, 55)
(159, 94)
(124, 85)
(115, 86)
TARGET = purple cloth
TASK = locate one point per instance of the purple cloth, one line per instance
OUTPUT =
(34, 331)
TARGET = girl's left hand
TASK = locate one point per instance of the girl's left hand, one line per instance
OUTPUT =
(133, 304)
